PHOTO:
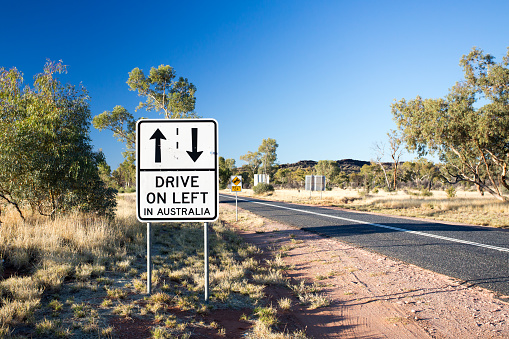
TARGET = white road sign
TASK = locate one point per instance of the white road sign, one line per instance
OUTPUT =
(177, 170)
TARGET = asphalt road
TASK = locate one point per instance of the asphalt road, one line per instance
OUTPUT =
(476, 255)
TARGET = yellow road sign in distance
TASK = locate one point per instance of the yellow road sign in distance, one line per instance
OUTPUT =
(236, 183)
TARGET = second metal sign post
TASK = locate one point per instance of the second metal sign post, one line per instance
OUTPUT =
(236, 185)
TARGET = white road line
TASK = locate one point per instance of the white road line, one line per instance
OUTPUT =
(466, 242)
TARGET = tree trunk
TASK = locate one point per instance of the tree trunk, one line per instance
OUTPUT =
(395, 174)
(479, 189)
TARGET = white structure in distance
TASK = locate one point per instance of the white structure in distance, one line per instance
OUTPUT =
(261, 178)
(315, 183)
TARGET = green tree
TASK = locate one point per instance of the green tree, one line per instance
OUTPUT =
(422, 173)
(162, 92)
(46, 157)
(122, 124)
(395, 143)
(104, 169)
(298, 177)
(175, 98)
(471, 140)
(268, 156)
(125, 175)
(226, 167)
(253, 161)
(282, 176)
(328, 168)
(368, 174)
(342, 179)
(372, 176)
(230, 164)
(355, 179)
(247, 179)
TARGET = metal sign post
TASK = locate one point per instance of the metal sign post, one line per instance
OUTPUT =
(177, 176)
(149, 258)
(206, 258)
(236, 185)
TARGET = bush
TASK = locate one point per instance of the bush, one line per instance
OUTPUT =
(364, 193)
(426, 193)
(263, 188)
(451, 192)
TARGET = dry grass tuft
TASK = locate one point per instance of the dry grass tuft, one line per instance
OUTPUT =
(261, 330)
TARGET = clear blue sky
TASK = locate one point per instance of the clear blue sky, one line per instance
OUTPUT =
(317, 76)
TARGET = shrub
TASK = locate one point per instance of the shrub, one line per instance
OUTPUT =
(426, 193)
(451, 192)
(364, 194)
(263, 188)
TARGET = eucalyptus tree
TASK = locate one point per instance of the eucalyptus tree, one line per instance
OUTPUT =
(226, 167)
(123, 126)
(328, 168)
(46, 156)
(468, 128)
(396, 150)
(268, 156)
(253, 161)
(421, 173)
(163, 93)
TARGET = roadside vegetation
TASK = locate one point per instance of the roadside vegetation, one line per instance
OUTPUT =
(467, 130)
(85, 276)
(47, 162)
(467, 207)
(73, 255)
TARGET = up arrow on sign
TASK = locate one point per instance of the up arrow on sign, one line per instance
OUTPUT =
(158, 136)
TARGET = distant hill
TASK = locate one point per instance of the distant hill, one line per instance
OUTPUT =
(345, 165)
(350, 165)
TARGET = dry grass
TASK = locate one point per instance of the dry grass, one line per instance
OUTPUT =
(467, 207)
(44, 252)
(261, 330)
(285, 304)
(302, 196)
(485, 211)
(53, 268)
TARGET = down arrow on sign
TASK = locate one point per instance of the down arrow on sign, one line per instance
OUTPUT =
(194, 154)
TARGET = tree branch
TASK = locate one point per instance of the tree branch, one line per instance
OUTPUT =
(488, 169)
(15, 204)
